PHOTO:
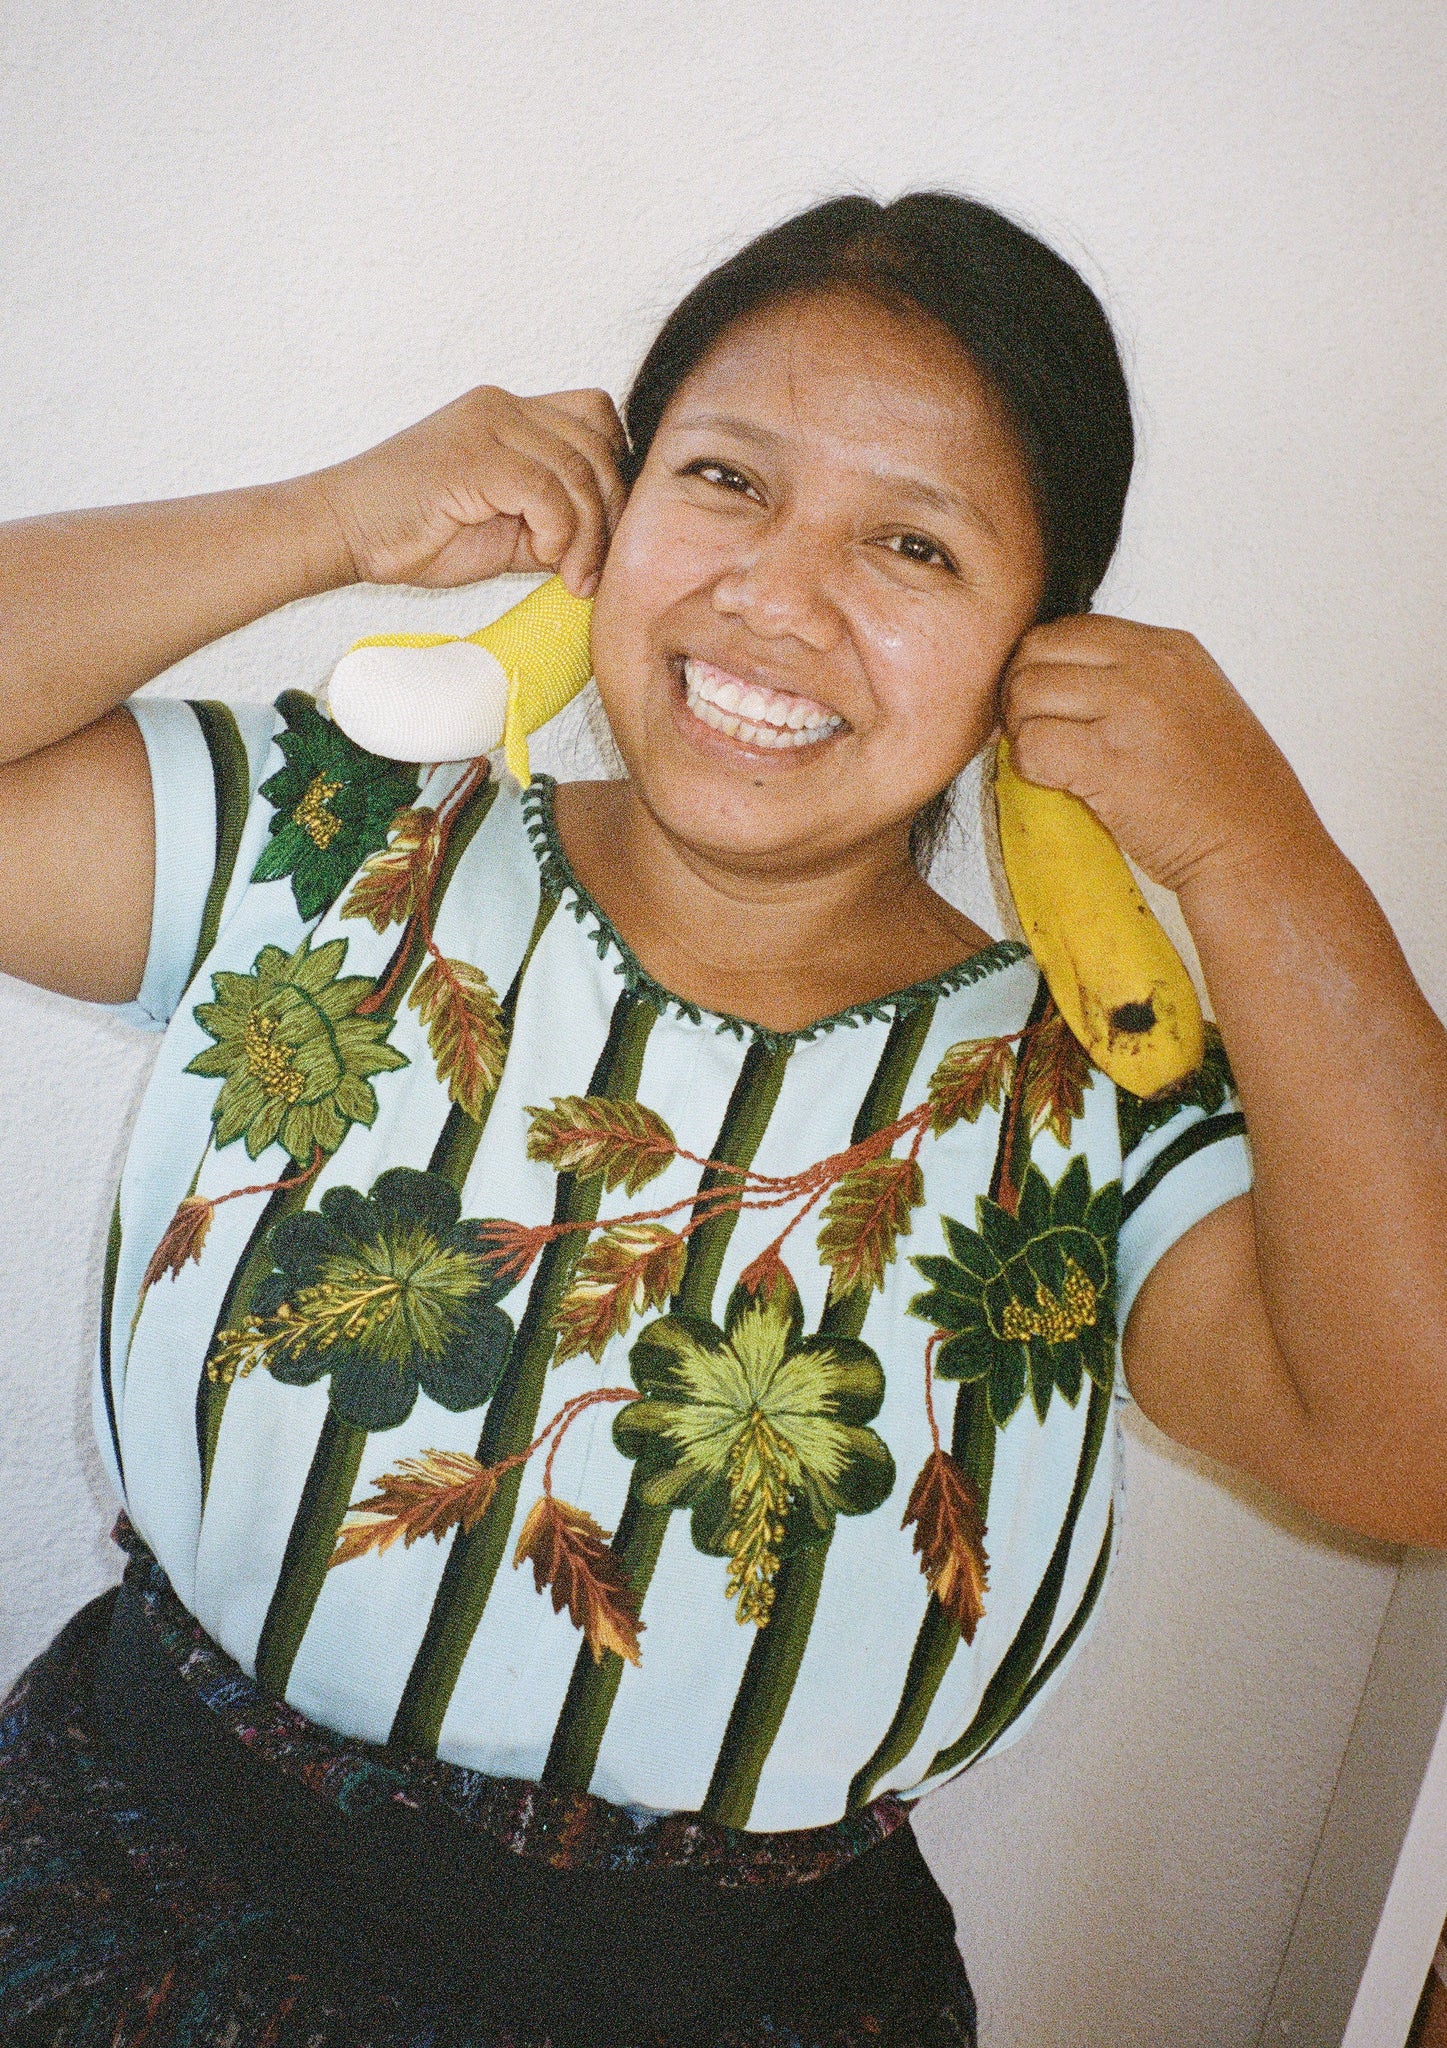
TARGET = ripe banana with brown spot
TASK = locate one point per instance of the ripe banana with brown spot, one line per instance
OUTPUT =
(1116, 978)
(441, 697)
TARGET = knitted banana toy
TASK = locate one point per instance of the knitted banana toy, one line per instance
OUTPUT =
(1115, 976)
(435, 697)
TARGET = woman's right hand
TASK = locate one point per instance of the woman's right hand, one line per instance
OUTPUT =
(93, 604)
(490, 484)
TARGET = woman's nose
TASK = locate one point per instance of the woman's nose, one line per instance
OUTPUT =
(781, 588)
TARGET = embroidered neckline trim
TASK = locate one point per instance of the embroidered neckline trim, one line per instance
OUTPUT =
(559, 879)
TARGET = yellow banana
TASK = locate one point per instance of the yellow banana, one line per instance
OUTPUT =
(1116, 978)
(445, 697)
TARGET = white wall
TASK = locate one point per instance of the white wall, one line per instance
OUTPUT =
(238, 240)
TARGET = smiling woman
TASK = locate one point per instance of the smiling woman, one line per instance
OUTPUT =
(776, 572)
(655, 1183)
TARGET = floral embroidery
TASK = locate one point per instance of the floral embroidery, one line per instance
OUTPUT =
(293, 1050)
(1029, 1297)
(744, 1424)
(760, 1431)
(332, 805)
(1205, 1089)
(394, 883)
(387, 1293)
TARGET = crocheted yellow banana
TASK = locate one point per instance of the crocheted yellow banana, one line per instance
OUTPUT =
(440, 697)
(1116, 978)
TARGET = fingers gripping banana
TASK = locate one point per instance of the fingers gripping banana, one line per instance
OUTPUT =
(1116, 978)
(435, 697)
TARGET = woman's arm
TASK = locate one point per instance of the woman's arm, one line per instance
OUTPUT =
(93, 604)
(1301, 1332)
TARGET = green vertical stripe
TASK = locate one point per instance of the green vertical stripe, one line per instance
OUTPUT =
(231, 773)
(772, 1670)
(972, 1445)
(330, 1483)
(456, 1147)
(255, 1262)
(638, 1539)
(107, 1309)
(1005, 1695)
(473, 1561)
(1065, 1642)
(336, 1461)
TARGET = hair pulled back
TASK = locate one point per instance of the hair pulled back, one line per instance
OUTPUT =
(1024, 317)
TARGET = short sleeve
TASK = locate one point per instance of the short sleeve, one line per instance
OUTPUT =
(207, 761)
(1179, 1170)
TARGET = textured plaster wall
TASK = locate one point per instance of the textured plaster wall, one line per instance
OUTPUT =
(241, 240)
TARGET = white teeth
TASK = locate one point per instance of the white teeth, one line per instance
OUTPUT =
(754, 714)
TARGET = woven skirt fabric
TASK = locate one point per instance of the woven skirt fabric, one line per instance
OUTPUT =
(189, 1865)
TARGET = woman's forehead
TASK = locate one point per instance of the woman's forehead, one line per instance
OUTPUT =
(840, 365)
(841, 378)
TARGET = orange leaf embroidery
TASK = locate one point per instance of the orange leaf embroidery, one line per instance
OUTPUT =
(463, 1019)
(183, 1238)
(510, 1248)
(631, 1267)
(425, 1496)
(864, 1217)
(628, 1144)
(393, 883)
(569, 1553)
(949, 1538)
(972, 1076)
(1057, 1068)
(762, 1275)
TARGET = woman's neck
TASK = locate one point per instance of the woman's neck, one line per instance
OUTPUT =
(779, 946)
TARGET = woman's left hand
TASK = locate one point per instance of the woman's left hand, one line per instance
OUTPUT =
(1141, 723)
(1298, 1331)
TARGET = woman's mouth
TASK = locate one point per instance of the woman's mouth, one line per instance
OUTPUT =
(754, 713)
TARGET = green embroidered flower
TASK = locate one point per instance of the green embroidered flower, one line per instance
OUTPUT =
(294, 1053)
(333, 805)
(1031, 1296)
(387, 1293)
(1205, 1089)
(758, 1429)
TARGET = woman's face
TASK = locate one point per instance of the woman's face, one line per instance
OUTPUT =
(817, 581)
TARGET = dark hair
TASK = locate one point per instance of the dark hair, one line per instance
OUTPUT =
(1022, 315)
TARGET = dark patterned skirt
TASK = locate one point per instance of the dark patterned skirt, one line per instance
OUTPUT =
(185, 1863)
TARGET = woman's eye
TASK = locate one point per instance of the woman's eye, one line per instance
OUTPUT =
(916, 547)
(713, 472)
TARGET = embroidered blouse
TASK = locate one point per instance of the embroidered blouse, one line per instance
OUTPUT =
(511, 1361)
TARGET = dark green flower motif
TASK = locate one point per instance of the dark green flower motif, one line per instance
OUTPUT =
(294, 1053)
(758, 1429)
(1029, 1297)
(333, 802)
(387, 1293)
(1205, 1089)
